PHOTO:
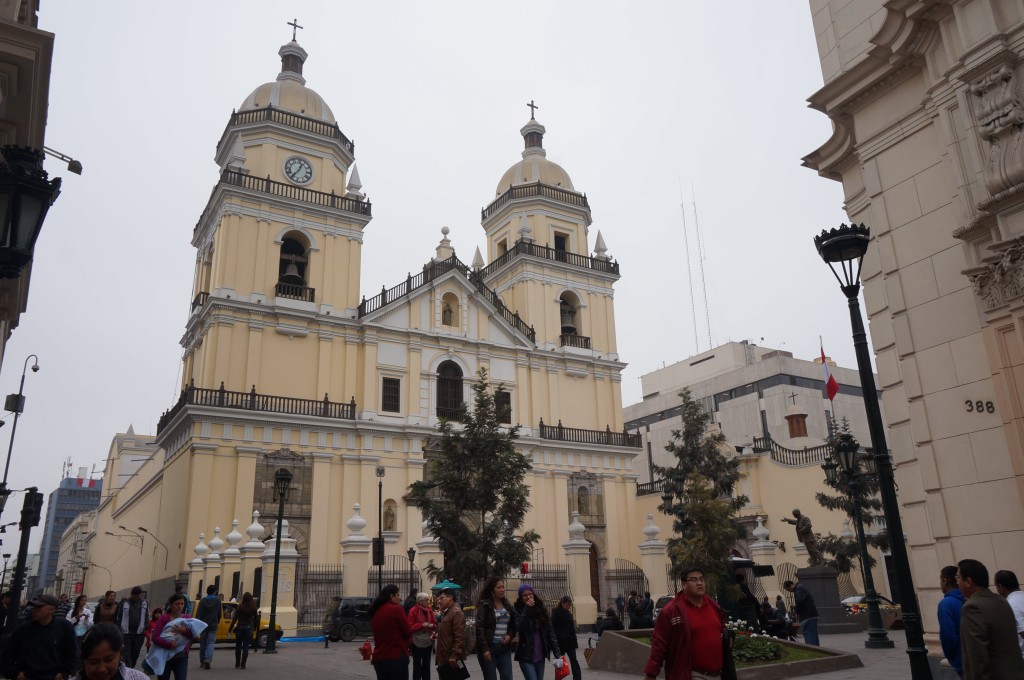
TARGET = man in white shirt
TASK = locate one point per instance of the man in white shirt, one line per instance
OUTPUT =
(1008, 586)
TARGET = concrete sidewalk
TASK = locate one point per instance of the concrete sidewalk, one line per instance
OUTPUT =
(342, 659)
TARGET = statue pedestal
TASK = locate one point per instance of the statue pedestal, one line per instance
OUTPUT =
(821, 583)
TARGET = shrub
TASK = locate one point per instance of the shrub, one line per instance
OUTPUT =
(752, 648)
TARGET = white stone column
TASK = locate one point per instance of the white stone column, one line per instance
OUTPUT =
(195, 572)
(213, 561)
(287, 615)
(654, 560)
(252, 554)
(355, 555)
(577, 555)
(232, 562)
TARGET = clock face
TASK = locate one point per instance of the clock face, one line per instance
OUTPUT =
(298, 170)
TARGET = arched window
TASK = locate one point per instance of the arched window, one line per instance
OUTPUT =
(568, 309)
(450, 310)
(292, 268)
(449, 391)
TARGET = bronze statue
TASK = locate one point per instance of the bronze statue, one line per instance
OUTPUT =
(805, 534)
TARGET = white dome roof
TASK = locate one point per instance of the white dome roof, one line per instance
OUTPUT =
(535, 167)
(289, 91)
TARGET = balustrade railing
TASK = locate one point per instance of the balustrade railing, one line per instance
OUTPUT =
(254, 401)
(534, 250)
(532, 190)
(814, 455)
(650, 488)
(453, 414)
(293, 120)
(573, 340)
(578, 435)
(290, 290)
(285, 190)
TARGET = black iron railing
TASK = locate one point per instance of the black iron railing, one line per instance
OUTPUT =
(573, 340)
(293, 120)
(650, 488)
(531, 190)
(453, 414)
(433, 270)
(290, 290)
(285, 190)
(533, 250)
(580, 436)
(814, 455)
(254, 401)
(200, 300)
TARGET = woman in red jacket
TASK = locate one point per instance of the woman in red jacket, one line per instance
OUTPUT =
(391, 635)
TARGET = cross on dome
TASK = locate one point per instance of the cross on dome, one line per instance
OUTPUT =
(532, 107)
(294, 23)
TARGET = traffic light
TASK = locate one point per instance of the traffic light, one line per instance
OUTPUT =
(31, 511)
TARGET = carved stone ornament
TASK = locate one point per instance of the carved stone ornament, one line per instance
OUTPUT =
(998, 282)
(1000, 116)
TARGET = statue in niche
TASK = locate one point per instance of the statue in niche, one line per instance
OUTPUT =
(805, 534)
(582, 498)
(389, 518)
(446, 313)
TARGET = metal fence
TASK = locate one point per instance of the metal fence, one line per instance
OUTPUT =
(316, 586)
(396, 569)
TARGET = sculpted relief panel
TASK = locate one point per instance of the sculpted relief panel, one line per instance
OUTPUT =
(1000, 116)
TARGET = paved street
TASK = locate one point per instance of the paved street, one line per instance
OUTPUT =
(310, 659)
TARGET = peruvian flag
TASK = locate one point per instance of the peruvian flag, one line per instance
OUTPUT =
(831, 386)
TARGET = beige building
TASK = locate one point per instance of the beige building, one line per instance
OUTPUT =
(72, 558)
(926, 108)
(287, 363)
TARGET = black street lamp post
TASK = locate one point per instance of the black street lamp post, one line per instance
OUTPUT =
(15, 403)
(845, 468)
(846, 246)
(282, 480)
(411, 552)
(378, 550)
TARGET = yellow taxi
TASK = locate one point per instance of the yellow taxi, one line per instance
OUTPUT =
(259, 636)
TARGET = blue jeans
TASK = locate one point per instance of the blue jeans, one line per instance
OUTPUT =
(532, 671)
(178, 665)
(500, 665)
(809, 628)
(206, 640)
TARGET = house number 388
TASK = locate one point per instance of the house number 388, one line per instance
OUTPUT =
(979, 406)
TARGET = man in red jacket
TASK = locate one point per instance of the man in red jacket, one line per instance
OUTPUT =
(688, 634)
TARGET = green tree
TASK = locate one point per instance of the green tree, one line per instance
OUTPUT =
(843, 554)
(704, 507)
(474, 499)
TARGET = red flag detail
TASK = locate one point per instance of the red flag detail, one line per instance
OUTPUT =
(831, 386)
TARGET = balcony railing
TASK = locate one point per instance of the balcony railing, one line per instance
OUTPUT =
(544, 252)
(200, 300)
(814, 455)
(453, 414)
(650, 488)
(573, 340)
(433, 270)
(290, 290)
(580, 436)
(293, 120)
(531, 190)
(254, 401)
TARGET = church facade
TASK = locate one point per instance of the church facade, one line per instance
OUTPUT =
(287, 363)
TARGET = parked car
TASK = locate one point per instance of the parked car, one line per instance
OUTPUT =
(349, 619)
(863, 600)
(260, 635)
(660, 603)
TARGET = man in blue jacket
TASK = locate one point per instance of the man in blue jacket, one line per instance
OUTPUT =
(949, 618)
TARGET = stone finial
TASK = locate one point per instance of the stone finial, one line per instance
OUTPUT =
(234, 537)
(356, 523)
(651, 531)
(761, 532)
(217, 543)
(576, 528)
(444, 248)
(255, 530)
(600, 248)
(525, 230)
(201, 548)
(478, 259)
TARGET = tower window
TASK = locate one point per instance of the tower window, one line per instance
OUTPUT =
(503, 407)
(561, 247)
(568, 309)
(292, 269)
(449, 391)
(391, 395)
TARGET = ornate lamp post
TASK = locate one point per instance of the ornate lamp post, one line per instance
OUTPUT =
(16, 403)
(378, 548)
(411, 552)
(26, 194)
(845, 247)
(844, 471)
(282, 480)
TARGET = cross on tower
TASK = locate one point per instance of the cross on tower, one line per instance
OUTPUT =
(532, 107)
(294, 23)
(792, 395)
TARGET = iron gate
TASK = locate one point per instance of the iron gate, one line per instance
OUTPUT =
(316, 586)
(396, 569)
(549, 581)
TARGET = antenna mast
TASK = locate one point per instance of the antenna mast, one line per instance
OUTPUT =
(689, 270)
(701, 256)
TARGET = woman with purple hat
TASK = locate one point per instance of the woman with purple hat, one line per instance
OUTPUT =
(536, 636)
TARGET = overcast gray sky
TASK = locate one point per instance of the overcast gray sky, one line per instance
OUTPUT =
(639, 100)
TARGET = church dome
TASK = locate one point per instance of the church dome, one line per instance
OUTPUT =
(289, 91)
(535, 167)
